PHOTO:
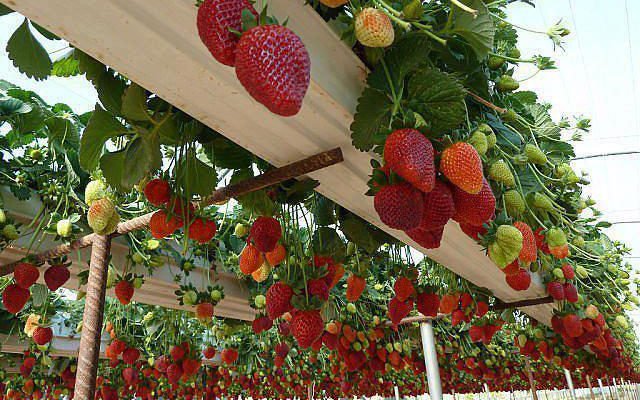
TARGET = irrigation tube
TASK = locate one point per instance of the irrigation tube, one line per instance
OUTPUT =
(431, 360)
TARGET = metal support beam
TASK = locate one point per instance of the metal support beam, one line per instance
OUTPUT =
(572, 391)
(92, 319)
(431, 360)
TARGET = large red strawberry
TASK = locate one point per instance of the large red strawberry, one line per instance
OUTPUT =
(130, 355)
(174, 373)
(410, 154)
(202, 230)
(555, 290)
(520, 280)
(318, 287)
(265, 233)
(278, 299)
(568, 272)
(355, 286)
(162, 225)
(274, 67)
(399, 206)
(438, 207)
(461, 164)
(399, 309)
(209, 352)
(42, 335)
(124, 292)
(570, 292)
(216, 21)
(572, 325)
(474, 209)
(403, 288)
(25, 274)
(429, 239)
(14, 298)
(157, 192)
(474, 232)
(476, 333)
(56, 275)
(428, 304)
(204, 311)
(306, 327)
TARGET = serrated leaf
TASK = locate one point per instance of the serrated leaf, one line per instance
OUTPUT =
(226, 154)
(45, 32)
(39, 294)
(255, 202)
(477, 30)
(323, 211)
(358, 232)
(111, 89)
(528, 180)
(141, 157)
(327, 242)
(4, 10)
(372, 116)
(92, 68)
(27, 54)
(101, 127)
(134, 103)
(195, 177)
(112, 167)
(10, 106)
(66, 66)
(438, 97)
(525, 97)
(62, 132)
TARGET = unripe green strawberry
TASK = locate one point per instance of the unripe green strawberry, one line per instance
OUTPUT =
(373, 28)
(534, 154)
(413, 9)
(95, 190)
(479, 141)
(495, 62)
(137, 282)
(578, 241)
(112, 275)
(190, 297)
(351, 308)
(621, 321)
(506, 246)
(581, 272)
(507, 84)
(3, 217)
(541, 201)
(491, 140)
(557, 272)
(10, 232)
(566, 173)
(216, 295)
(514, 203)
(591, 311)
(514, 53)
(64, 227)
(522, 340)
(241, 230)
(260, 301)
(556, 237)
(35, 154)
(500, 172)
(100, 214)
(510, 116)
(137, 258)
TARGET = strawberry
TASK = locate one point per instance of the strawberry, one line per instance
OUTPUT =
(461, 164)
(318, 287)
(55, 276)
(162, 225)
(410, 154)
(183, 210)
(529, 252)
(209, 352)
(570, 292)
(25, 274)
(277, 255)
(124, 292)
(14, 298)
(428, 304)
(474, 232)
(520, 280)
(482, 309)
(158, 192)
(399, 206)
(555, 290)
(174, 373)
(500, 172)
(261, 324)
(250, 259)
(190, 367)
(514, 203)
(449, 302)
(130, 376)
(307, 326)
(476, 333)
(373, 28)
(100, 216)
(403, 288)
(507, 245)
(429, 239)
(282, 349)
(265, 233)
(568, 272)
(204, 311)
(474, 209)
(216, 21)
(95, 190)
(399, 309)
(130, 355)
(202, 230)
(42, 335)
(278, 299)
(512, 268)
(274, 67)
(177, 353)
(355, 287)
(438, 207)
(262, 273)
(534, 154)
(572, 325)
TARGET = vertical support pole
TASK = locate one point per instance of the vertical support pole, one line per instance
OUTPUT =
(396, 392)
(617, 391)
(572, 391)
(85, 386)
(431, 360)
(532, 382)
(486, 390)
(593, 395)
(604, 397)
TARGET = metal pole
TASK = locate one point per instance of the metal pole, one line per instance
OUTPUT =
(396, 392)
(615, 386)
(532, 382)
(593, 395)
(486, 390)
(572, 391)
(431, 360)
(601, 389)
(92, 319)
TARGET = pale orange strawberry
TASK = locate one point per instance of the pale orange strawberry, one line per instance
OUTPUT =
(461, 164)
(250, 259)
(373, 28)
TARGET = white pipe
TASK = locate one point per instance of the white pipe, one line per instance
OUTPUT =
(396, 392)
(572, 391)
(431, 360)
(604, 397)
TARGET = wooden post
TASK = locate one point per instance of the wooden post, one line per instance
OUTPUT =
(532, 382)
(92, 319)
(593, 395)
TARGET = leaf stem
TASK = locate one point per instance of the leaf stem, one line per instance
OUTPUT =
(465, 7)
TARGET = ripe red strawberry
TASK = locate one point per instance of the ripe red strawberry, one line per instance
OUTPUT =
(204, 311)
(474, 232)
(174, 373)
(118, 346)
(25, 274)
(162, 225)
(429, 239)
(520, 280)
(572, 325)
(177, 353)
(251, 259)
(410, 154)
(474, 209)
(183, 210)
(216, 20)
(568, 272)
(355, 287)
(42, 335)
(438, 207)
(202, 230)
(476, 333)
(482, 309)
(124, 292)
(157, 192)
(399, 309)
(403, 288)
(209, 352)
(461, 164)
(428, 304)
(457, 317)
(265, 233)
(190, 367)
(570, 292)
(261, 324)
(306, 327)
(55, 276)
(130, 355)
(282, 349)
(274, 67)
(555, 290)
(512, 268)
(529, 252)
(318, 287)
(399, 206)
(278, 299)
(14, 298)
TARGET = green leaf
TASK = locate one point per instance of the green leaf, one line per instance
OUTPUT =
(112, 167)
(62, 132)
(39, 294)
(528, 180)
(4, 10)
(477, 30)
(10, 106)
(603, 224)
(101, 127)
(371, 118)
(195, 177)
(525, 97)
(438, 97)
(92, 68)
(326, 242)
(168, 131)
(255, 202)
(45, 32)
(323, 210)
(134, 105)
(66, 66)
(141, 157)
(27, 53)
(226, 154)
(360, 233)
(110, 89)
